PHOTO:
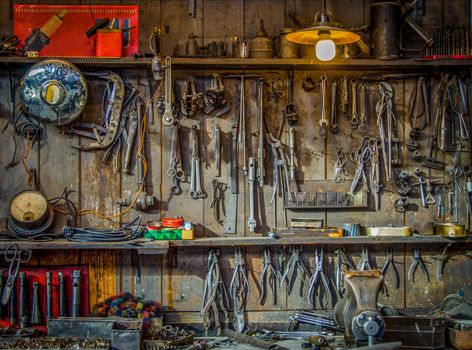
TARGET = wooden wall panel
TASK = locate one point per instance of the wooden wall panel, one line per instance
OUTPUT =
(100, 187)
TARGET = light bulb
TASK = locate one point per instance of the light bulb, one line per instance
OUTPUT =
(325, 50)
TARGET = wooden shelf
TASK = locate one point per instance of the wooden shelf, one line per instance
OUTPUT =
(262, 241)
(144, 246)
(256, 63)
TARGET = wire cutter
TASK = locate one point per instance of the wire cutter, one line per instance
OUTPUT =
(268, 269)
(364, 263)
(294, 263)
(318, 274)
(389, 262)
(15, 257)
(417, 260)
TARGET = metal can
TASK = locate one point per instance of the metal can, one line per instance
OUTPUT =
(385, 26)
(287, 49)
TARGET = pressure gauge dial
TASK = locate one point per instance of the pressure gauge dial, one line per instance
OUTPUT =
(30, 213)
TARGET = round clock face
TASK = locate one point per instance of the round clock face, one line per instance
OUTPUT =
(28, 206)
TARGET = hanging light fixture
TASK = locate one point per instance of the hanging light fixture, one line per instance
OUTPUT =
(324, 34)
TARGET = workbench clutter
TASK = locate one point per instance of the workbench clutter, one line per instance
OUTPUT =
(96, 31)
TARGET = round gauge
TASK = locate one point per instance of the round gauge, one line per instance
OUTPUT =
(30, 211)
(53, 91)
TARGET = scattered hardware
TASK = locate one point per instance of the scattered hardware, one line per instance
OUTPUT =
(128, 306)
(57, 343)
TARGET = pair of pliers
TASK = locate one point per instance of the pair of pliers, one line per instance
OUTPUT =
(364, 263)
(389, 262)
(294, 263)
(318, 274)
(239, 289)
(417, 260)
(268, 269)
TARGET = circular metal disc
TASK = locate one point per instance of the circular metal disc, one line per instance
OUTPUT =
(53, 91)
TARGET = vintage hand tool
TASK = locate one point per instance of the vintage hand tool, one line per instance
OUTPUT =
(62, 295)
(339, 172)
(363, 113)
(341, 260)
(319, 278)
(268, 276)
(239, 291)
(112, 116)
(308, 83)
(281, 174)
(390, 262)
(354, 114)
(364, 263)
(24, 319)
(260, 136)
(251, 220)
(48, 295)
(291, 146)
(463, 129)
(384, 109)
(15, 257)
(290, 111)
(362, 156)
(334, 127)
(215, 97)
(190, 101)
(35, 307)
(294, 266)
(455, 173)
(175, 169)
(321, 322)
(168, 116)
(440, 193)
(131, 137)
(76, 290)
(215, 301)
(417, 260)
(422, 184)
(217, 202)
(13, 308)
(196, 190)
(442, 260)
(217, 149)
(418, 107)
(375, 185)
(324, 123)
(344, 96)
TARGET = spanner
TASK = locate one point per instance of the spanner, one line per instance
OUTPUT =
(291, 142)
(334, 127)
(323, 121)
(344, 96)
(354, 115)
(251, 220)
(363, 114)
(196, 190)
(168, 117)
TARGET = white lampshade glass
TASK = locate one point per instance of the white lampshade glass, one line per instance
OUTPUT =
(325, 50)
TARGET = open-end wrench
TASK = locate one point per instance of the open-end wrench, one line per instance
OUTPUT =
(354, 115)
(363, 114)
(168, 116)
(251, 220)
(334, 127)
(196, 190)
(217, 150)
(323, 121)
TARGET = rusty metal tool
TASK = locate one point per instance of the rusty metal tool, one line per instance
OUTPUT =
(417, 260)
(62, 295)
(390, 262)
(324, 122)
(251, 220)
(35, 306)
(239, 291)
(24, 319)
(268, 276)
(15, 257)
(48, 295)
(76, 277)
(317, 277)
(290, 110)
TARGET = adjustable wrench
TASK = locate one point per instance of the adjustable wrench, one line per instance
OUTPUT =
(195, 176)
(217, 150)
(363, 115)
(354, 115)
(168, 117)
(251, 221)
(323, 121)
